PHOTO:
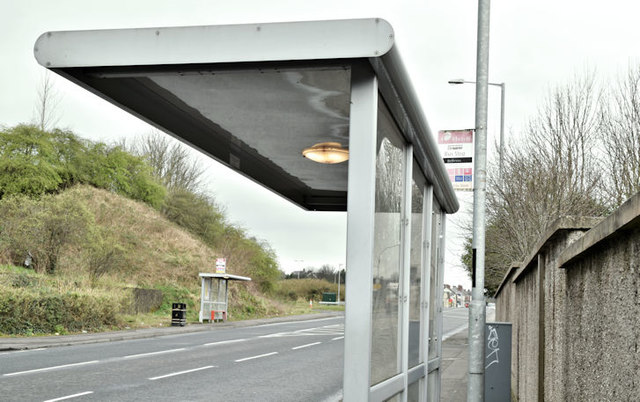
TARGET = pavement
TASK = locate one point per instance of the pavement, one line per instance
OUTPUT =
(36, 342)
(455, 364)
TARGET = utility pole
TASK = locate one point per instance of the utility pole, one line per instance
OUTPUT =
(477, 313)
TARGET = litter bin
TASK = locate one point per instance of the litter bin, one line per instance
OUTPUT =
(178, 314)
(329, 297)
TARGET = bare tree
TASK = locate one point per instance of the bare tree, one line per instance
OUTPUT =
(551, 172)
(326, 272)
(620, 135)
(46, 109)
(171, 161)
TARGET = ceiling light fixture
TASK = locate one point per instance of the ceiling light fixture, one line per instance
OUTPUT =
(326, 152)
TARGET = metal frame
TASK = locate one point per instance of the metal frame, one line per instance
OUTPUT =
(406, 265)
(426, 284)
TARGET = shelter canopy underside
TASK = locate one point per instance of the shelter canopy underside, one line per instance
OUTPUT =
(251, 96)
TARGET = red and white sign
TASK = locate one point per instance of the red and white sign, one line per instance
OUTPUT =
(456, 148)
(221, 265)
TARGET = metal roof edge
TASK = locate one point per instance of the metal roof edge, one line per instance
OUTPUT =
(428, 153)
(224, 276)
(277, 41)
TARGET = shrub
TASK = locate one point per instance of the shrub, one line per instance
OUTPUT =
(42, 228)
(25, 312)
(34, 162)
(295, 289)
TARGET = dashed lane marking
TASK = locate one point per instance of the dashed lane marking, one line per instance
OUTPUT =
(306, 346)
(256, 357)
(153, 353)
(224, 342)
(62, 398)
(50, 368)
(180, 373)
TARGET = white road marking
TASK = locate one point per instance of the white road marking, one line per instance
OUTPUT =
(224, 342)
(292, 322)
(256, 357)
(153, 353)
(50, 368)
(325, 330)
(337, 397)
(306, 346)
(29, 350)
(180, 372)
(337, 338)
(62, 398)
(453, 332)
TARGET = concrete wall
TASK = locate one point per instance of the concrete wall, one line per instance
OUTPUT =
(144, 300)
(602, 322)
(575, 309)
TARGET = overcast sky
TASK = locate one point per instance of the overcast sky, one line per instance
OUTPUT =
(535, 45)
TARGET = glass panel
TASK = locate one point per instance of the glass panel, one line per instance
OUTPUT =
(395, 398)
(433, 385)
(413, 393)
(435, 301)
(390, 170)
(415, 275)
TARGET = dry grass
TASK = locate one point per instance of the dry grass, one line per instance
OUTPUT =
(157, 254)
(157, 250)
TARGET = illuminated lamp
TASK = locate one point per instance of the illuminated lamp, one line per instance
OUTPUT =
(326, 152)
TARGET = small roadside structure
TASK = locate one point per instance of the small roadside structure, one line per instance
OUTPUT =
(214, 296)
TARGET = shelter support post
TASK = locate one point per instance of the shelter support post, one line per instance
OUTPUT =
(360, 234)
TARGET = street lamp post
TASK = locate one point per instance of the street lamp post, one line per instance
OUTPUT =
(477, 310)
(459, 81)
(339, 272)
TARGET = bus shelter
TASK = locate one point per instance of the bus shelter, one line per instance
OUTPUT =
(256, 97)
(214, 295)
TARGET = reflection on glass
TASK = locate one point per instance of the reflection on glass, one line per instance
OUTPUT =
(274, 112)
(436, 301)
(385, 348)
(433, 385)
(413, 393)
(415, 276)
(395, 398)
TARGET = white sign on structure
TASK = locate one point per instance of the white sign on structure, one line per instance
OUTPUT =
(456, 148)
(221, 265)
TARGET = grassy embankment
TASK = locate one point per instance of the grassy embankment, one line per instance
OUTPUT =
(143, 250)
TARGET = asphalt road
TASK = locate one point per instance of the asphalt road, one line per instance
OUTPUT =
(454, 320)
(284, 361)
(293, 361)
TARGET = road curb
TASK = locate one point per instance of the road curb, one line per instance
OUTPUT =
(26, 343)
